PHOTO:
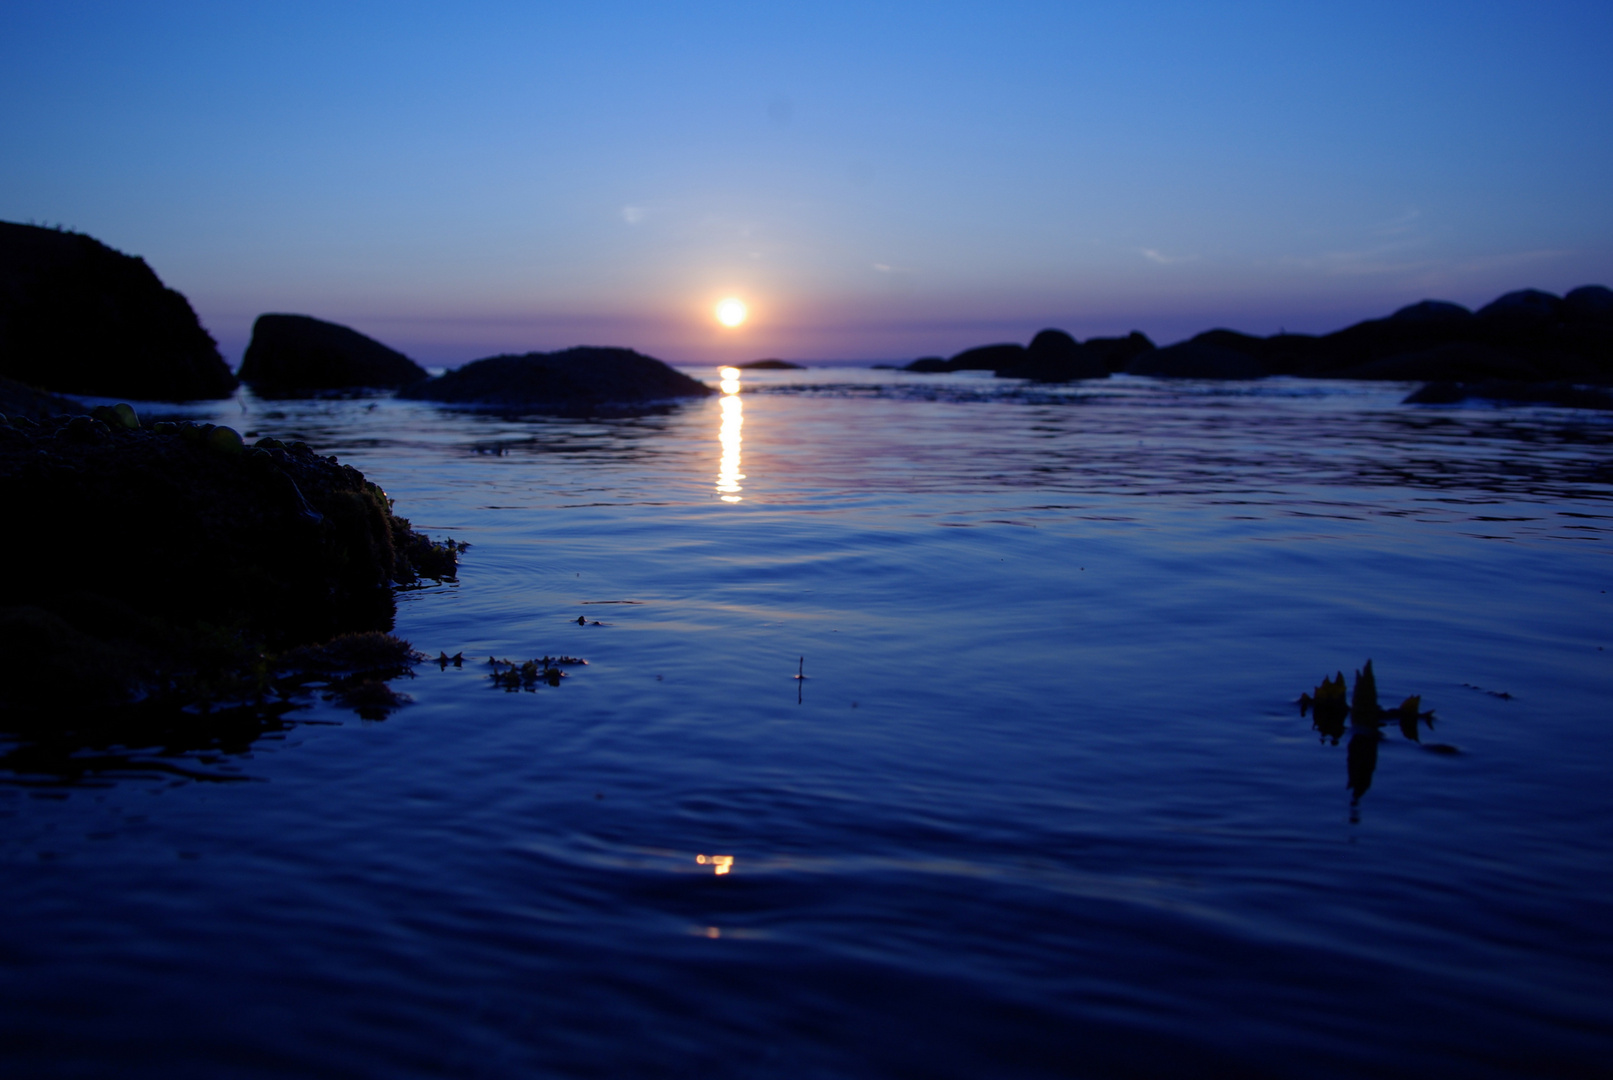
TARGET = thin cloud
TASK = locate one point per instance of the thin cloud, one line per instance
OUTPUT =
(1155, 256)
(1400, 225)
(632, 215)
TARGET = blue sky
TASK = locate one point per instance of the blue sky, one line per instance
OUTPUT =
(878, 180)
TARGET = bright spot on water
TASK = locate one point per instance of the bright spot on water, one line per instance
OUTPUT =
(720, 864)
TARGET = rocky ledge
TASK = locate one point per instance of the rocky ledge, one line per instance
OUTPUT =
(582, 381)
(173, 567)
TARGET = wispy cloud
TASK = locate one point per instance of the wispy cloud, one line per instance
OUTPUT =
(1398, 225)
(632, 215)
(1155, 256)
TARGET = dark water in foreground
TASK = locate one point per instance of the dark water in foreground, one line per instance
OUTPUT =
(1044, 806)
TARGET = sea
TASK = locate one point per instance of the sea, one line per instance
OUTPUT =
(931, 726)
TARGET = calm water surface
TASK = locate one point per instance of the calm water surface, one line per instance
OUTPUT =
(1044, 804)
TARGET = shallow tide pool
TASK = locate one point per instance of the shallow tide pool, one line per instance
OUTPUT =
(1044, 803)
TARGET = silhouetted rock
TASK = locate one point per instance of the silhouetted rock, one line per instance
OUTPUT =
(77, 317)
(296, 354)
(987, 358)
(1432, 311)
(583, 380)
(163, 560)
(17, 399)
(771, 365)
(1564, 394)
(1459, 360)
(1529, 305)
(1589, 303)
(1197, 360)
(1117, 352)
(1054, 356)
(1528, 335)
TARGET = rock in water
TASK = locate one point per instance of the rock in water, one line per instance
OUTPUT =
(293, 355)
(1196, 359)
(583, 380)
(77, 317)
(1054, 356)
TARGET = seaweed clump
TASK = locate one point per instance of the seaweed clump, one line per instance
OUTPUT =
(174, 567)
(1332, 711)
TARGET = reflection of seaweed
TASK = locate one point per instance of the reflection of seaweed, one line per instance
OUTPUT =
(74, 744)
(353, 669)
(1329, 710)
(142, 742)
(526, 676)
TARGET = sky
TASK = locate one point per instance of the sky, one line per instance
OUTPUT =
(878, 181)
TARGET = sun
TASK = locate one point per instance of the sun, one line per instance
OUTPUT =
(732, 311)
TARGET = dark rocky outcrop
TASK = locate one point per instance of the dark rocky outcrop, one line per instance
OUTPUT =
(160, 563)
(295, 355)
(771, 365)
(77, 317)
(1197, 359)
(987, 358)
(576, 381)
(1054, 356)
(1456, 360)
(1117, 352)
(1524, 336)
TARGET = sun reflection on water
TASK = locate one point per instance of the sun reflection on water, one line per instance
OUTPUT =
(728, 435)
(720, 864)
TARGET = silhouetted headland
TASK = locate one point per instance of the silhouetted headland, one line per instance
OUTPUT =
(77, 317)
(583, 380)
(298, 355)
(1525, 346)
(771, 365)
(159, 564)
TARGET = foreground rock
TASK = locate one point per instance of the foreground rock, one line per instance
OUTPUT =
(297, 355)
(77, 317)
(168, 564)
(576, 381)
(19, 399)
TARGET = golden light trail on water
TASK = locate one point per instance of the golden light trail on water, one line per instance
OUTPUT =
(729, 437)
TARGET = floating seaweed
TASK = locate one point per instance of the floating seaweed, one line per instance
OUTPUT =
(526, 675)
(1331, 712)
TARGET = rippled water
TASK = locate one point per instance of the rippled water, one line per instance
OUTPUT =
(1044, 803)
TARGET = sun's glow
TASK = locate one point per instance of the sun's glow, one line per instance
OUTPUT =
(732, 311)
